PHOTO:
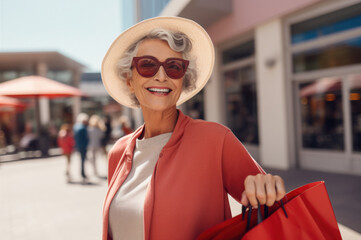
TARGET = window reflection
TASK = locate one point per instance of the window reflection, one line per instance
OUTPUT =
(327, 24)
(10, 74)
(63, 76)
(238, 52)
(321, 114)
(241, 100)
(341, 54)
(355, 102)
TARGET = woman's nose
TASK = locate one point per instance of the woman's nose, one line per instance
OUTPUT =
(161, 74)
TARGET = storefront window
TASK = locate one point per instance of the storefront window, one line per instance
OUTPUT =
(337, 21)
(238, 52)
(61, 111)
(355, 102)
(241, 100)
(64, 76)
(322, 114)
(341, 54)
(9, 75)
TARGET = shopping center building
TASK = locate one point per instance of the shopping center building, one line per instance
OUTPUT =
(287, 78)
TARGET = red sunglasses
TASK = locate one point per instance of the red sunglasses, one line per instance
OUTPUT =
(148, 66)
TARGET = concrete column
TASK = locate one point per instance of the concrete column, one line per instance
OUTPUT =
(214, 99)
(76, 108)
(271, 92)
(138, 11)
(44, 108)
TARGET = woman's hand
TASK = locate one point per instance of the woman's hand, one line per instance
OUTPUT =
(262, 188)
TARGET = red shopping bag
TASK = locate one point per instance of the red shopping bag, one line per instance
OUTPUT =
(306, 213)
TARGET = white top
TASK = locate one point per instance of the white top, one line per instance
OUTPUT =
(126, 213)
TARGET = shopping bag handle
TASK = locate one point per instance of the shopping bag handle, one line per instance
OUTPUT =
(259, 214)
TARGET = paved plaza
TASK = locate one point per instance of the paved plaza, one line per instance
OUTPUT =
(36, 201)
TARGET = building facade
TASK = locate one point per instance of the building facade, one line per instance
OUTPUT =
(287, 78)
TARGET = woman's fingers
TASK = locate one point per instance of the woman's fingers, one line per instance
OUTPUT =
(244, 199)
(280, 186)
(265, 189)
(271, 190)
(250, 189)
(260, 190)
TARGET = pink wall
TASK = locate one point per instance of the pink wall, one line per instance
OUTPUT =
(249, 13)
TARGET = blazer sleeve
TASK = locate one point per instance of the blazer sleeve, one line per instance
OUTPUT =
(112, 164)
(237, 164)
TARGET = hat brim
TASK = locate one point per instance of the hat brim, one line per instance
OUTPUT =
(202, 52)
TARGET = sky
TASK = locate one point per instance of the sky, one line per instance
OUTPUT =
(79, 29)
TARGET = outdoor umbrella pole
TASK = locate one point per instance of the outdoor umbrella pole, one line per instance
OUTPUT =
(41, 138)
(37, 116)
(42, 134)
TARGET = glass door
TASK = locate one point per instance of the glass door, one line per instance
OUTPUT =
(322, 123)
(354, 82)
(329, 123)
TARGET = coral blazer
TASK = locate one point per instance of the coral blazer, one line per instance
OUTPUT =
(187, 194)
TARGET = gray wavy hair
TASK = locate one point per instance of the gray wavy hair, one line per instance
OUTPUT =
(177, 41)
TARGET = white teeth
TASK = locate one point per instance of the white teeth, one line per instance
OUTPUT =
(159, 90)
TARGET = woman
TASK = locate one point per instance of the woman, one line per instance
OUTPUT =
(81, 140)
(96, 130)
(66, 143)
(170, 178)
(107, 133)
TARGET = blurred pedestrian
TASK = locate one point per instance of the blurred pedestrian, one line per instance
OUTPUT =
(107, 134)
(66, 143)
(125, 125)
(95, 133)
(81, 139)
(6, 130)
(2, 141)
(29, 140)
(121, 128)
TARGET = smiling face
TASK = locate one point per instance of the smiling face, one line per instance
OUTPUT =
(159, 92)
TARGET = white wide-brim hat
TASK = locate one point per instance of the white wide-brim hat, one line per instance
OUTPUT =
(202, 52)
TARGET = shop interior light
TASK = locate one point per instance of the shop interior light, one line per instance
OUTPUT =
(355, 96)
(330, 97)
(304, 101)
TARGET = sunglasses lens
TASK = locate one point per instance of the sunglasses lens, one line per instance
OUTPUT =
(147, 67)
(175, 68)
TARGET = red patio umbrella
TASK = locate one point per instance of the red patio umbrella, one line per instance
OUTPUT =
(321, 86)
(37, 86)
(11, 102)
